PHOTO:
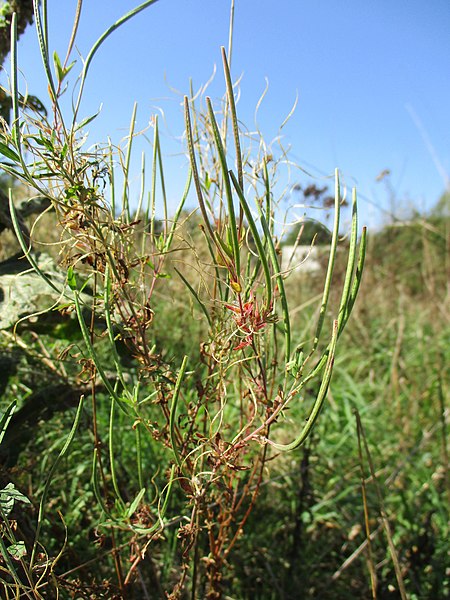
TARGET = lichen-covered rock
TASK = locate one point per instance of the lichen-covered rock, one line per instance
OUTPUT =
(23, 293)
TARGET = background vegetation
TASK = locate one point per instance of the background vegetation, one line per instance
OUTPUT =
(123, 496)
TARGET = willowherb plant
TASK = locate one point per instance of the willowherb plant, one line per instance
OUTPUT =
(214, 416)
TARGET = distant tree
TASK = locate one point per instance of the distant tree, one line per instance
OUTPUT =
(307, 231)
(24, 11)
(442, 208)
(311, 229)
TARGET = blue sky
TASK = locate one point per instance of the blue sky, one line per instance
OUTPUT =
(372, 79)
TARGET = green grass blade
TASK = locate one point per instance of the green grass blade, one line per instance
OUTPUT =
(173, 412)
(383, 511)
(163, 510)
(96, 486)
(139, 455)
(112, 461)
(61, 455)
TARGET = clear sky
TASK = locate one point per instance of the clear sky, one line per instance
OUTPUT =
(372, 78)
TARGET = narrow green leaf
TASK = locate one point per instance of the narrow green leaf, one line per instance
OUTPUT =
(173, 411)
(88, 120)
(134, 505)
(8, 153)
(58, 67)
(68, 68)
(71, 278)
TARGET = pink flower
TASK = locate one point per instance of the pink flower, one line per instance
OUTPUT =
(249, 319)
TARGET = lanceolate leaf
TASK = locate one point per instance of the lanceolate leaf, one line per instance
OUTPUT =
(8, 152)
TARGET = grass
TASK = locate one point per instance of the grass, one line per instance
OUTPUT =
(171, 431)
(306, 531)
(312, 504)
